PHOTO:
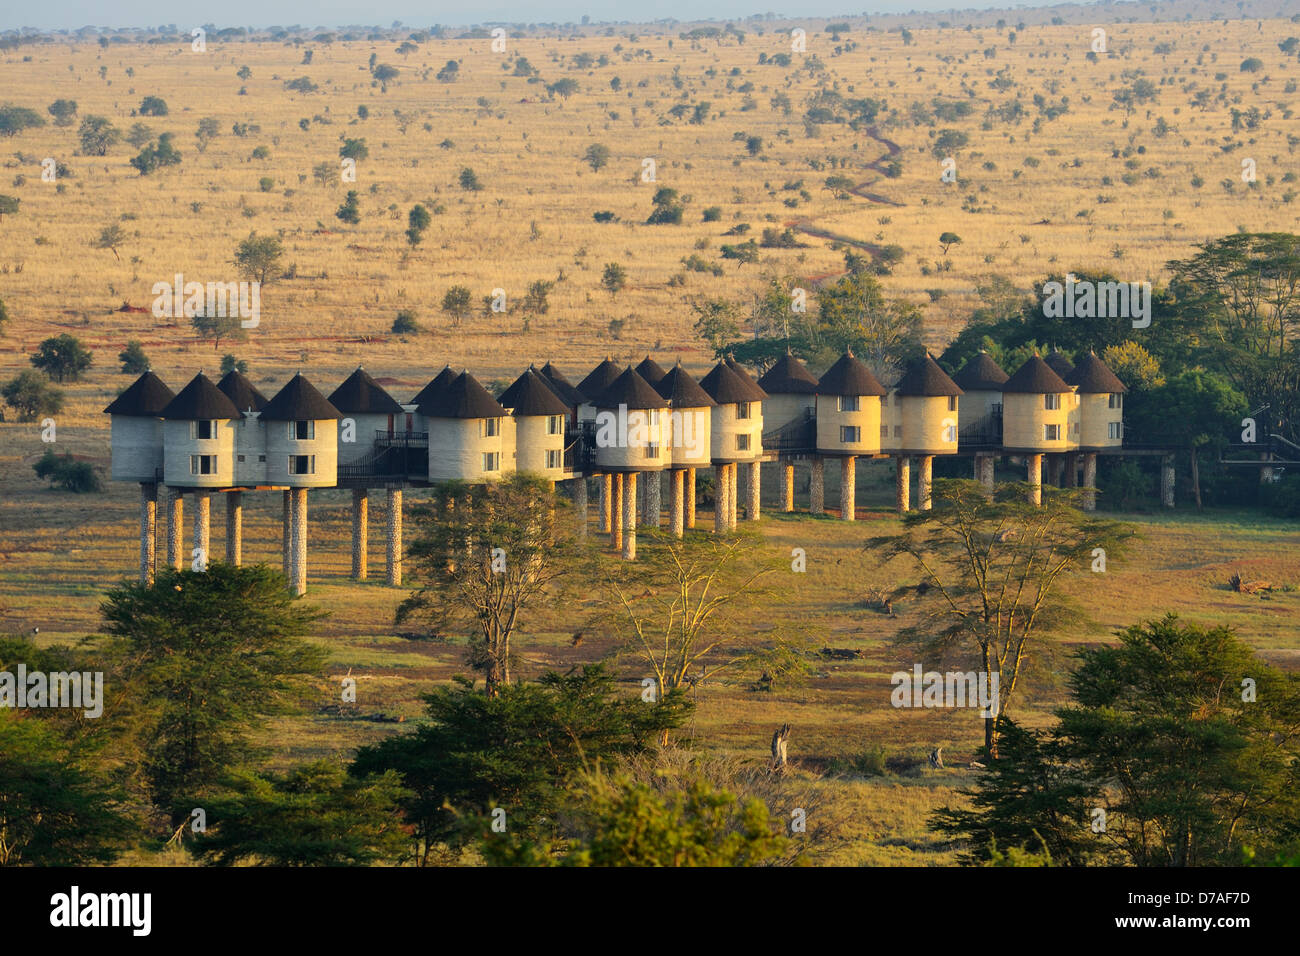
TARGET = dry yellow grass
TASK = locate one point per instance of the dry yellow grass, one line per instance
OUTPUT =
(58, 552)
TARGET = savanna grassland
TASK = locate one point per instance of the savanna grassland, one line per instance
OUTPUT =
(1070, 179)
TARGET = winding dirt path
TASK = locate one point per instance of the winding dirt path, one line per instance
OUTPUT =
(808, 226)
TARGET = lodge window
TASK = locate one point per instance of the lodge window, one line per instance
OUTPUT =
(490, 430)
(949, 433)
(849, 434)
(1051, 433)
(554, 458)
(847, 403)
(1116, 400)
(240, 458)
(302, 431)
(203, 430)
(1114, 429)
(555, 425)
(742, 443)
(952, 403)
(652, 451)
(898, 431)
(203, 464)
(261, 459)
(302, 464)
(742, 410)
(1051, 402)
(884, 431)
(491, 459)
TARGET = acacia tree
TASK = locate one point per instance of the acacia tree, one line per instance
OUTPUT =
(484, 557)
(62, 357)
(209, 655)
(992, 570)
(674, 607)
(259, 258)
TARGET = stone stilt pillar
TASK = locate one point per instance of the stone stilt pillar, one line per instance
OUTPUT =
(286, 550)
(733, 496)
(235, 528)
(616, 513)
(755, 491)
(1167, 481)
(175, 534)
(1034, 475)
(643, 501)
(360, 533)
(148, 531)
(676, 502)
(903, 479)
(848, 487)
(606, 493)
(202, 529)
(394, 537)
(719, 499)
(1071, 470)
(1090, 481)
(629, 517)
(787, 485)
(580, 505)
(817, 486)
(298, 540)
(1054, 470)
(924, 480)
(984, 472)
(654, 498)
(689, 494)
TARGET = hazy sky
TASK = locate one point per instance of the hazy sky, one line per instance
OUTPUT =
(58, 14)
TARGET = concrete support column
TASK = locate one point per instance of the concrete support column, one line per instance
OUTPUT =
(755, 490)
(148, 531)
(848, 487)
(394, 537)
(175, 535)
(817, 486)
(629, 517)
(616, 513)
(202, 529)
(606, 493)
(286, 551)
(654, 498)
(924, 480)
(298, 540)
(1034, 475)
(903, 479)
(787, 485)
(1071, 470)
(580, 506)
(719, 499)
(984, 472)
(1090, 481)
(360, 533)
(235, 528)
(1167, 481)
(689, 494)
(677, 503)
(733, 496)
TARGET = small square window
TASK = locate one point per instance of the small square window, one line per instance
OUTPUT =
(850, 434)
(742, 443)
(652, 451)
(240, 458)
(261, 458)
(1051, 432)
(203, 464)
(884, 431)
(302, 431)
(847, 403)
